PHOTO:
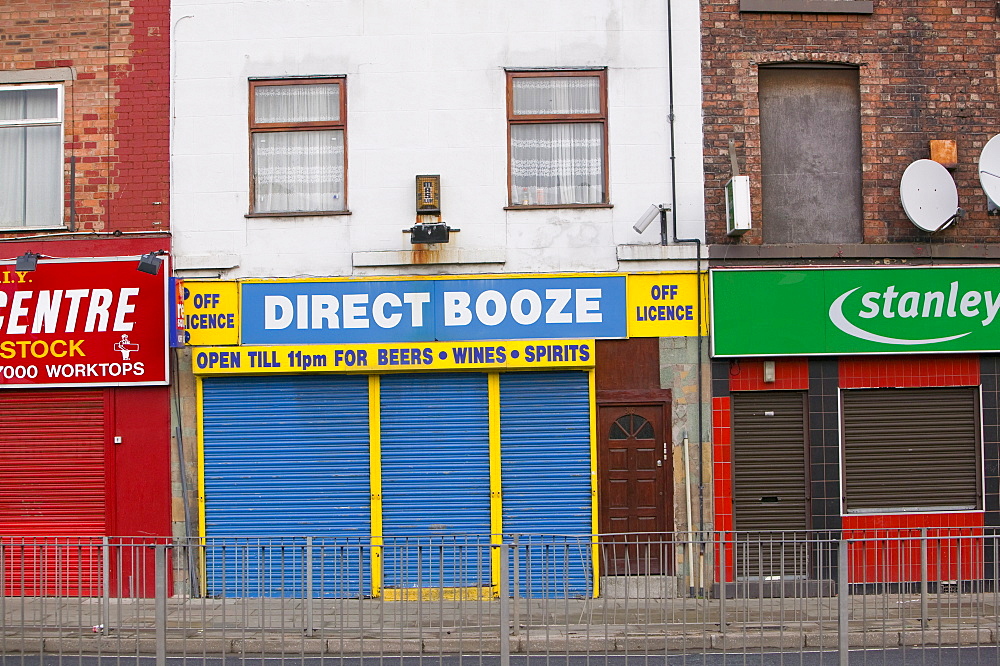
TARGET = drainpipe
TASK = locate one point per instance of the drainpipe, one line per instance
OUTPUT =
(697, 242)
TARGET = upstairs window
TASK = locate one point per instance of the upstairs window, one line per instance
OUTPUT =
(31, 156)
(558, 126)
(297, 133)
(810, 150)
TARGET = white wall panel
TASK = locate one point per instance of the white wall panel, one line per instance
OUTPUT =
(426, 94)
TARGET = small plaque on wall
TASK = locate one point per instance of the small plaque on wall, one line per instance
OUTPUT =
(429, 195)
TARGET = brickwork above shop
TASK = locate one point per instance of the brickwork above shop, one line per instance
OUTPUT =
(112, 57)
(927, 71)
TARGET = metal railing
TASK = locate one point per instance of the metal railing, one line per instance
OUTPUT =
(674, 596)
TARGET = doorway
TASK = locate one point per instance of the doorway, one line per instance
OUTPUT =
(636, 506)
(770, 502)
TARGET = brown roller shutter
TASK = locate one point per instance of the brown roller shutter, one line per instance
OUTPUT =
(769, 469)
(52, 485)
(769, 483)
(913, 449)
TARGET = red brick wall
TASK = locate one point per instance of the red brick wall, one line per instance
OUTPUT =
(117, 109)
(927, 70)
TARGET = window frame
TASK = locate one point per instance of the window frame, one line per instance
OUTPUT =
(557, 118)
(59, 120)
(783, 167)
(255, 127)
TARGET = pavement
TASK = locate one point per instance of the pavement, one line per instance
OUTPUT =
(435, 625)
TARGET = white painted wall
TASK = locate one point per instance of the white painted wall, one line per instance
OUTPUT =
(426, 94)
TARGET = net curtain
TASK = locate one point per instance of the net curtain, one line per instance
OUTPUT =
(560, 162)
(298, 171)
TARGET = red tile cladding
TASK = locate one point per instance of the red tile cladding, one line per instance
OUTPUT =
(887, 548)
(722, 470)
(912, 371)
(748, 375)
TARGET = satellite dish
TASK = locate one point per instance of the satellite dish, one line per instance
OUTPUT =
(989, 170)
(929, 195)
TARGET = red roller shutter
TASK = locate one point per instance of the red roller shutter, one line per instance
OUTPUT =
(52, 485)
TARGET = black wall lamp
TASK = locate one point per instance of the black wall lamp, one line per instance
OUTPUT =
(26, 262)
(150, 263)
(429, 232)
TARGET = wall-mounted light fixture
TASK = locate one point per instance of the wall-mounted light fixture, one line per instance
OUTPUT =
(768, 372)
(26, 262)
(150, 263)
(436, 232)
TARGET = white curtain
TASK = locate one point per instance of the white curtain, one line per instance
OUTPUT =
(298, 171)
(31, 164)
(556, 95)
(297, 103)
(557, 163)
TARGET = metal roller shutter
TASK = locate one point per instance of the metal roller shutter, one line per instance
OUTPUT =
(435, 479)
(52, 485)
(545, 450)
(286, 458)
(913, 449)
(769, 483)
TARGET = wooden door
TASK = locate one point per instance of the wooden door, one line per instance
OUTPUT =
(635, 505)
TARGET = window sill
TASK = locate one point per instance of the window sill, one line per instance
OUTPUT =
(916, 253)
(557, 206)
(657, 252)
(318, 213)
(435, 254)
(808, 6)
(202, 262)
(14, 230)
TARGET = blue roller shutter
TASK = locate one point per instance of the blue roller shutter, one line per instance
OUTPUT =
(545, 453)
(435, 480)
(286, 458)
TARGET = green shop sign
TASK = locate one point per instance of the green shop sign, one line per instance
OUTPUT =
(855, 311)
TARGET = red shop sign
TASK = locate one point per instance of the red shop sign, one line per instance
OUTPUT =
(83, 322)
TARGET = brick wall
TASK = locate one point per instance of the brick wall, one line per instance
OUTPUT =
(116, 111)
(927, 71)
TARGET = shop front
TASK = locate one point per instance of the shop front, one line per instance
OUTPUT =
(415, 422)
(85, 422)
(857, 402)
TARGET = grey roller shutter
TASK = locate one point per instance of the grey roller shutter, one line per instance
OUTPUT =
(912, 449)
(286, 458)
(545, 449)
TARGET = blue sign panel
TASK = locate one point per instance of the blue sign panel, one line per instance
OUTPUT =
(428, 310)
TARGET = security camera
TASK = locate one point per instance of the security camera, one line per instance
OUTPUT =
(647, 218)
